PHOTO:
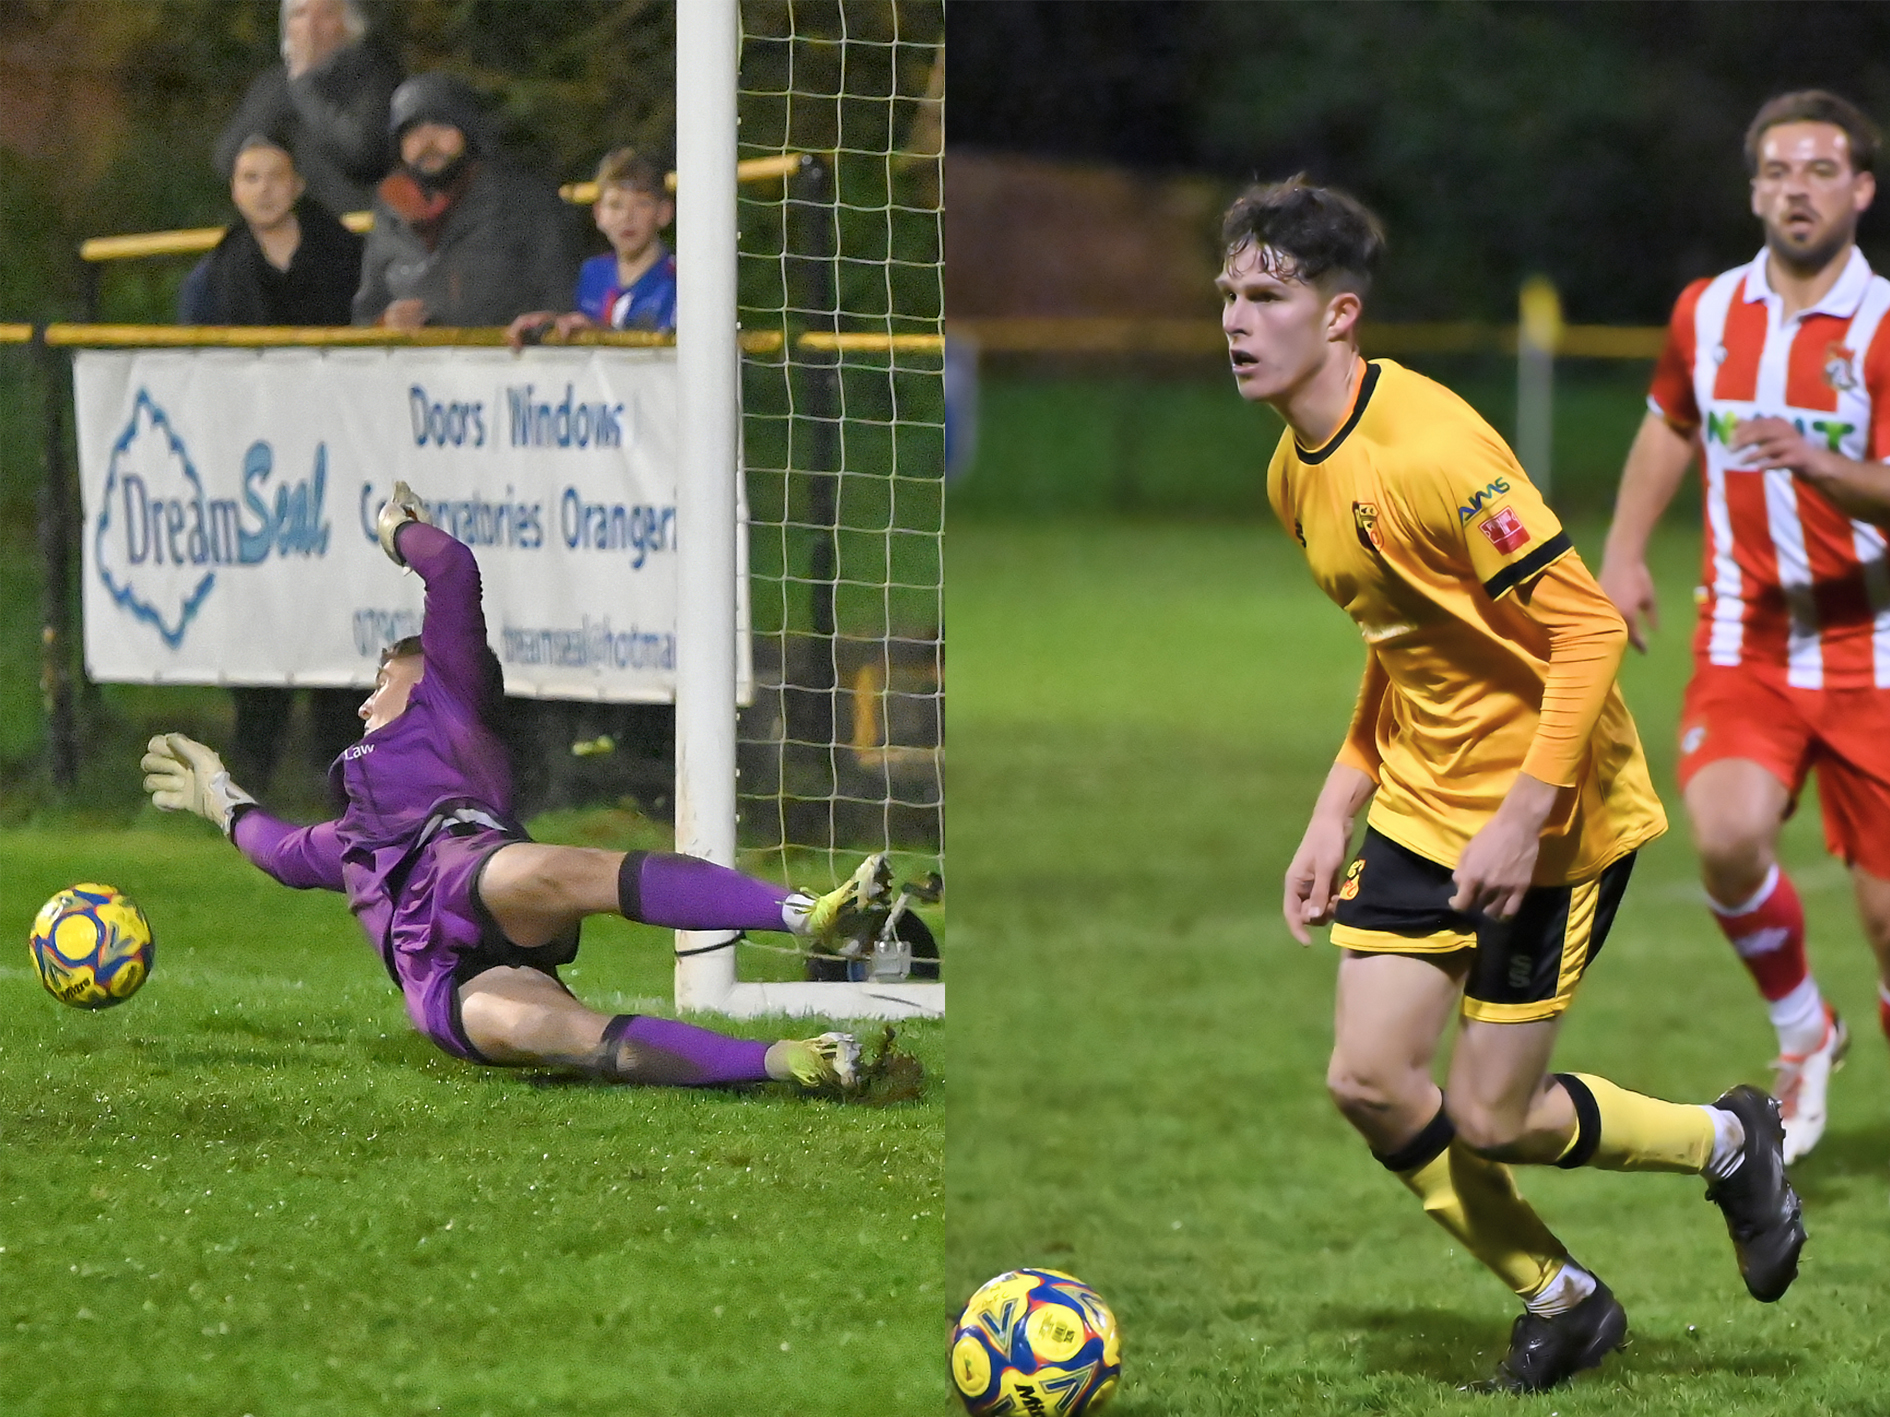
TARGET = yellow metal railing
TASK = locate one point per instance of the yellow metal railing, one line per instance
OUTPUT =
(317, 336)
(993, 336)
(79, 336)
(754, 169)
(193, 240)
(869, 342)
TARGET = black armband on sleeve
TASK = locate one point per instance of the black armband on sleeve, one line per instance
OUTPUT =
(1531, 566)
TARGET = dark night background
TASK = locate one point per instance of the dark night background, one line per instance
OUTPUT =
(1600, 143)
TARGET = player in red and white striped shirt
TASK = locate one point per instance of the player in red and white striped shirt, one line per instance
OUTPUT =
(1776, 375)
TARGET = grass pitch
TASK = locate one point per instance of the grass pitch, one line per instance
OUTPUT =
(253, 1189)
(1141, 717)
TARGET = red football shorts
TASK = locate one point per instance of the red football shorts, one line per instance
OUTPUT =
(1844, 733)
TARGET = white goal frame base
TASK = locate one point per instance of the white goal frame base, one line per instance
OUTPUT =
(833, 1000)
(710, 986)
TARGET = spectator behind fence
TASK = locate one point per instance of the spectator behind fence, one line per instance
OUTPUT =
(328, 97)
(633, 286)
(287, 262)
(461, 236)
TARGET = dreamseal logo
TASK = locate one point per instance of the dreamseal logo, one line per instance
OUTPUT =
(161, 538)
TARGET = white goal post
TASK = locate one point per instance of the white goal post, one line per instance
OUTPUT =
(708, 356)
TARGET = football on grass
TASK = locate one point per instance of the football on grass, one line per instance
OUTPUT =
(91, 946)
(1035, 1341)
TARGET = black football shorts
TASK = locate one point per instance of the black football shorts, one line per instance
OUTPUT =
(1394, 901)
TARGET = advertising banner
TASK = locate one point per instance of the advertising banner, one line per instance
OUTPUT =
(230, 498)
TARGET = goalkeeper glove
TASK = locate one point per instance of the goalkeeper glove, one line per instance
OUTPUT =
(184, 776)
(396, 512)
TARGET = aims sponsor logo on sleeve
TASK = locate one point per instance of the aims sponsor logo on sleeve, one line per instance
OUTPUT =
(1504, 530)
(1474, 503)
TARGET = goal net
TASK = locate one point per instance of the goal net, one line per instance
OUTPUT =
(839, 290)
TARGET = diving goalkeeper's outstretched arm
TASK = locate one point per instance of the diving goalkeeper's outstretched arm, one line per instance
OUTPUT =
(182, 775)
(459, 660)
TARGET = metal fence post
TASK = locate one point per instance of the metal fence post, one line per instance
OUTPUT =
(1538, 333)
(55, 552)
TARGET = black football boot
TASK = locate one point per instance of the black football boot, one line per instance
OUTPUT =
(1546, 1352)
(1761, 1208)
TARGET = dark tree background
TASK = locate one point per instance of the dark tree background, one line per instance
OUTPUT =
(1599, 143)
(566, 81)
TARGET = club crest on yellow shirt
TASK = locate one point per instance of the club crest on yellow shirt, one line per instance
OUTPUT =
(1365, 523)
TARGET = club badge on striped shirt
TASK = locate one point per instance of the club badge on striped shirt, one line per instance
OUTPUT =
(1840, 367)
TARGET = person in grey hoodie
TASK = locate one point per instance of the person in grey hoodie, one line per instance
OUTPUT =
(461, 236)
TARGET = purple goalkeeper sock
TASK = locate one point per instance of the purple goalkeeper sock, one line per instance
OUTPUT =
(688, 893)
(638, 1048)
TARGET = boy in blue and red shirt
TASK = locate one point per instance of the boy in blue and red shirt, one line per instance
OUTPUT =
(470, 916)
(633, 286)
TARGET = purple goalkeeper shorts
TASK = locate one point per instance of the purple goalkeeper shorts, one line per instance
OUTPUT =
(443, 935)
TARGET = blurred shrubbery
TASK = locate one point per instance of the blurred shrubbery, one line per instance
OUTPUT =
(1600, 144)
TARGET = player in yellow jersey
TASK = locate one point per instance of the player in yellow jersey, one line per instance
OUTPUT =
(1507, 788)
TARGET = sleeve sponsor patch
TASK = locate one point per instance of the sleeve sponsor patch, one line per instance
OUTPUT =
(1504, 530)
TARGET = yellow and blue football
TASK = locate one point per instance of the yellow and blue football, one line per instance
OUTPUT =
(1037, 1342)
(92, 947)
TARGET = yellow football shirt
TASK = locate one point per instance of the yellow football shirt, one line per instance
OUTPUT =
(1417, 519)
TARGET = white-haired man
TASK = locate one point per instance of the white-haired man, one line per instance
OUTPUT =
(329, 96)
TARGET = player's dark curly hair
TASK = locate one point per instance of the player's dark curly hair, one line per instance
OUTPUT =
(401, 649)
(1817, 106)
(1326, 237)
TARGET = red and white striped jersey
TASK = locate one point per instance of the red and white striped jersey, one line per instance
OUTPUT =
(1791, 586)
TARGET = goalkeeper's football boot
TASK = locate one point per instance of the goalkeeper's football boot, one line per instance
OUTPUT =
(1762, 1211)
(1545, 1352)
(852, 912)
(1801, 1082)
(829, 1063)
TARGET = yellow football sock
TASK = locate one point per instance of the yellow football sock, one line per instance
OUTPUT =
(1618, 1130)
(1477, 1201)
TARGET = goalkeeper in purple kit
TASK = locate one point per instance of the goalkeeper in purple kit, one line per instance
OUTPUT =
(471, 917)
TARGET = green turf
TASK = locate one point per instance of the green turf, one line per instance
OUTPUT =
(252, 1189)
(1141, 717)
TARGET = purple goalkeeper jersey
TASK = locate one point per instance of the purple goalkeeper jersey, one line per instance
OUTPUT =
(439, 762)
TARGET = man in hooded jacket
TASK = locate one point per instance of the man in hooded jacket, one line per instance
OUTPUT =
(461, 236)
